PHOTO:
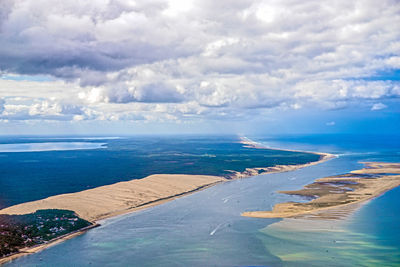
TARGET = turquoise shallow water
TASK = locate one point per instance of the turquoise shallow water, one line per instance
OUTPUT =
(206, 229)
(368, 237)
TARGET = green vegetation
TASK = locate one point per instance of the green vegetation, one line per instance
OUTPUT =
(18, 231)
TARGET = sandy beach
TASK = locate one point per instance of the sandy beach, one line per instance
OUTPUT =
(277, 168)
(337, 192)
(250, 143)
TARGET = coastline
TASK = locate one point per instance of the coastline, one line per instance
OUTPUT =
(40, 247)
(337, 192)
(119, 198)
(277, 168)
(250, 143)
(194, 183)
(149, 204)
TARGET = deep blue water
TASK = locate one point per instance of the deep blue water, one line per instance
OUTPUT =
(206, 229)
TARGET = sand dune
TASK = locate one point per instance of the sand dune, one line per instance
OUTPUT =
(122, 197)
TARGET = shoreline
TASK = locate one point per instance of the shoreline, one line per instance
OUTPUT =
(110, 200)
(29, 207)
(277, 168)
(37, 248)
(250, 143)
(337, 192)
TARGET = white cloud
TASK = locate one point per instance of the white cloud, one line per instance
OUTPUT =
(331, 123)
(178, 7)
(160, 60)
(378, 106)
(2, 102)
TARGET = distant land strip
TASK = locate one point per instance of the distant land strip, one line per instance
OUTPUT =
(337, 191)
(277, 168)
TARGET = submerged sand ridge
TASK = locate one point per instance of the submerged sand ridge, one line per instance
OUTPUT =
(122, 197)
(338, 191)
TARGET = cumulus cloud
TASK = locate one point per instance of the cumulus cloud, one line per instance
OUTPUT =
(2, 102)
(33, 109)
(65, 38)
(378, 106)
(160, 59)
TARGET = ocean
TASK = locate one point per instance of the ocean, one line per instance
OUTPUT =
(206, 229)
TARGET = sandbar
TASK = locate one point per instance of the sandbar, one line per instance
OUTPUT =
(337, 191)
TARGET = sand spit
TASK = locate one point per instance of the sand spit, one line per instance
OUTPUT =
(250, 143)
(110, 200)
(277, 168)
(337, 192)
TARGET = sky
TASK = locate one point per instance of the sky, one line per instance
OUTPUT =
(199, 66)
